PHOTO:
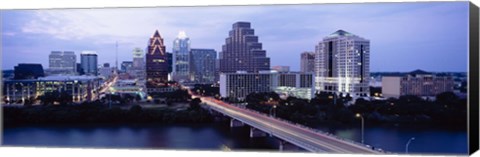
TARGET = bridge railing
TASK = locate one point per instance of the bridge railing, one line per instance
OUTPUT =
(311, 129)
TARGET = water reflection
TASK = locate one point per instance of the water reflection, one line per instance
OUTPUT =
(219, 136)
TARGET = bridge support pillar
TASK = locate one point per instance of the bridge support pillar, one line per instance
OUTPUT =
(235, 123)
(286, 146)
(254, 132)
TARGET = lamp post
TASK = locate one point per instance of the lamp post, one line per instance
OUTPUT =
(273, 108)
(408, 143)
(358, 115)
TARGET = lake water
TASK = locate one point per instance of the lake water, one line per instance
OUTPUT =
(219, 136)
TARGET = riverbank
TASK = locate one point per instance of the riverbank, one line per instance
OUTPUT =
(98, 114)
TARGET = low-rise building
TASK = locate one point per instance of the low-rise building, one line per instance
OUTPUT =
(281, 68)
(418, 82)
(81, 88)
(296, 84)
(240, 84)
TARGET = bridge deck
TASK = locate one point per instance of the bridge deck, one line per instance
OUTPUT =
(295, 134)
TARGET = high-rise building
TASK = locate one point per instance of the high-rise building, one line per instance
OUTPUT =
(418, 82)
(106, 72)
(126, 65)
(203, 65)
(157, 64)
(170, 62)
(307, 62)
(181, 58)
(242, 51)
(138, 58)
(343, 64)
(281, 68)
(80, 69)
(89, 60)
(62, 62)
(138, 67)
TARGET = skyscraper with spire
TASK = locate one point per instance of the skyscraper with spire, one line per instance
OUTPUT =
(156, 64)
(181, 58)
(242, 51)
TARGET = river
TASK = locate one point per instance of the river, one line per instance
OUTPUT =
(219, 136)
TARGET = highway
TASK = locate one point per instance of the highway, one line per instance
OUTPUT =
(296, 134)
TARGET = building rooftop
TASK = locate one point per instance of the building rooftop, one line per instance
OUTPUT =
(88, 53)
(182, 35)
(419, 72)
(340, 33)
(66, 77)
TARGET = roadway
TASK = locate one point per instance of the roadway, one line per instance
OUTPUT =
(296, 134)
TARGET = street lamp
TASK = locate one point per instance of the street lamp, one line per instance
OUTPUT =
(358, 115)
(408, 143)
(273, 108)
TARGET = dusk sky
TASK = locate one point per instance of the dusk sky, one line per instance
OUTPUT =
(432, 36)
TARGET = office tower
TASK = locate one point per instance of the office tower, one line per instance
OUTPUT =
(343, 64)
(242, 51)
(418, 82)
(203, 65)
(170, 62)
(106, 71)
(181, 58)
(126, 65)
(89, 59)
(138, 67)
(138, 58)
(307, 62)
(62, 62)
(281, 68)
(80, 69)
(28, 71)
(157, 66)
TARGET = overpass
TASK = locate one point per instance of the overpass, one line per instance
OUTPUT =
(291, 135)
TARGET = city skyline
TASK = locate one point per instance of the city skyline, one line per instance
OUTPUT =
(395, 39)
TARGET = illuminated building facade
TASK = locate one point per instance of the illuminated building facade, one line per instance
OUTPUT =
(81, 88)
(156, 64)
(181, 58)
(240, 84)
(343, 64)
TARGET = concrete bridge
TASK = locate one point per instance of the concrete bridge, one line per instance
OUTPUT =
(291, 136)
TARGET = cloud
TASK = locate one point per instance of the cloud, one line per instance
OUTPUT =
(9, 33)
(284, 30)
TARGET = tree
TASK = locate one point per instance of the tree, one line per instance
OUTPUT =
(195, 104)
(136, 109)
(49, 98)
(138, 98)
(446, 98)
(64, 98)
(29, 101)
